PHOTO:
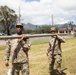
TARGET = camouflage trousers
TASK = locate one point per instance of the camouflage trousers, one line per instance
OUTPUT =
(16, 67)
(56, 59)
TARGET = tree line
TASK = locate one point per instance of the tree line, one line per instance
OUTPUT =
(9, 19)
(42, 29)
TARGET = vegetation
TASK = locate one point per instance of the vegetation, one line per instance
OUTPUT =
(8, 19)
(42, 29)
(39, 61)
(2, 48)
(39, 42)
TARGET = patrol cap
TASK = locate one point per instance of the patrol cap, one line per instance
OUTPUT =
(19, 24)
(53, 28)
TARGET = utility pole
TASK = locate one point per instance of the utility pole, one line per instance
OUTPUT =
(68, 29)
(19, 15)
(52, 19)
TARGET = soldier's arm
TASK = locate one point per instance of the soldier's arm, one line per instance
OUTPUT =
(48, 50)
(27, 44)
(61, 38)
(7, 53)
(24, 42)
(49, 47)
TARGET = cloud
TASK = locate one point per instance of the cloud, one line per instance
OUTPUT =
(67, 4)
(31, 0)
(40, 11)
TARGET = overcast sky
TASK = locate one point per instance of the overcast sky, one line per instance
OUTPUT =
(40, 11)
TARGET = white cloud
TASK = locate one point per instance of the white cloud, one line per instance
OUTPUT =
(67, 4)
(40, 12)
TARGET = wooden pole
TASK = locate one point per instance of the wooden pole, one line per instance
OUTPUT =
(52, 19)
(28, 36)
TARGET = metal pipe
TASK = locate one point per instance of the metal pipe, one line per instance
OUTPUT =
(28, 36)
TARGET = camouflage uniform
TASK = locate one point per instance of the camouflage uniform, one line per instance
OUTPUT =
(56, 56)
(19, 55)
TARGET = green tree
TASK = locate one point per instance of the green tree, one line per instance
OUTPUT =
(8, 18)
(45, 29)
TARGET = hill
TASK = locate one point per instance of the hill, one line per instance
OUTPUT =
(30, 26)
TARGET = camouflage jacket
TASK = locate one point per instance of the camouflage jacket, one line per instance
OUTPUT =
(57, 47)
(17, 51)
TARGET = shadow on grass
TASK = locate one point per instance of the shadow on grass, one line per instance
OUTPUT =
(55, 72)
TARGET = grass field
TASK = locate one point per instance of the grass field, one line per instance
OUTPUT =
(38, 60)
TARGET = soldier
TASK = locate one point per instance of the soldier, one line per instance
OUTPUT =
(18, 50)
(74, 33)
(54, 52)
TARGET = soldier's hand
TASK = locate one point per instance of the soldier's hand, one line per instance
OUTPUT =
(47, 53)
(56, 34)
(7, 63)
(23, 37)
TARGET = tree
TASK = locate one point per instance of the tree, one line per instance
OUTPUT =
(45, 29)
(8, 18)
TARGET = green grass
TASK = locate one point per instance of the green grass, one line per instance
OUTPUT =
(39, 42)
(38, 60)
(2, 48)
(69, 60)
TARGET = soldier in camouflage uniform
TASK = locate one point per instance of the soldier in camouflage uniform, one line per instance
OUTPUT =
(18, 50)
(54, 51)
